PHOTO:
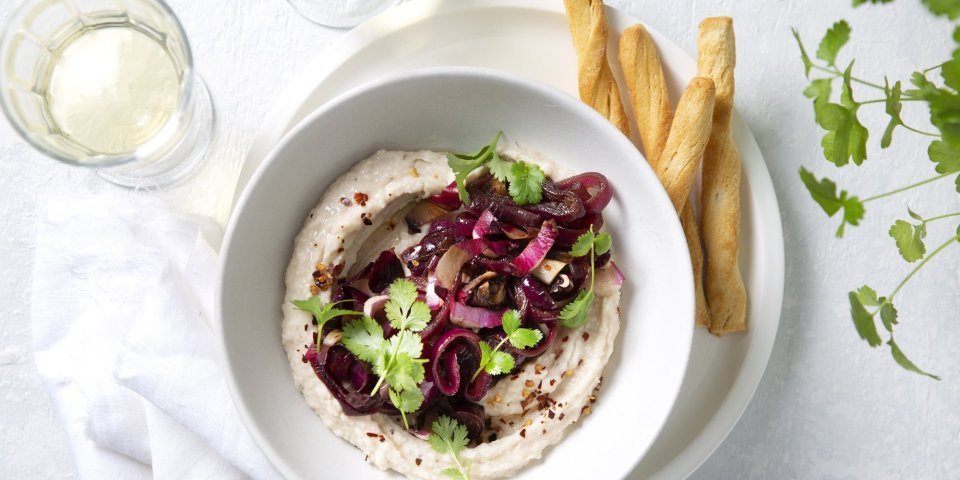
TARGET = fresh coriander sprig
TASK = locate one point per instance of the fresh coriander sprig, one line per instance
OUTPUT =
(846, 139)
(496, 362)
(449, 437)
(396, 361)
(574, 315)
(322, 312)
(525, 180)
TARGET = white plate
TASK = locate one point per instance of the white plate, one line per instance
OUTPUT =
(532, 39)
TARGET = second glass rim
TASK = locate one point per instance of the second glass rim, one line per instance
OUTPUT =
(164, 138)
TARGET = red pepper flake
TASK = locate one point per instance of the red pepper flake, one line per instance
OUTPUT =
(523, 432)
(361, 198)
(345, 201)
(418, 461)
(392, 225)
(586, 336)
(366, 219)
(550, 414)
(340, 250)
(304, 358)
(382, 439)
(306, 326)
(565, 338)
(515, 376)
(553, 381)
(581, 363)
(544, 431)
(561, 416)
(373, 435)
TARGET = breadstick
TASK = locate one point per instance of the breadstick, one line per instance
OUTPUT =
(720, 219)
(647, 89)
(678, 163)
(588, 27)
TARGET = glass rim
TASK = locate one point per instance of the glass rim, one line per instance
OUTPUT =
(155, 147)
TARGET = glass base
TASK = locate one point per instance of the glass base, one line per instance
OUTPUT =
(181, 161)
(340, 13)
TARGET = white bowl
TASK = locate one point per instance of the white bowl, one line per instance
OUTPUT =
(456, 109)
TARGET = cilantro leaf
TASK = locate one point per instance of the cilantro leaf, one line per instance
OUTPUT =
(858, 133)
(824, 192)
(405, 373)
(863, 321)
(868, 296)
(510, 321)
(946, 8)
(945, 114)
(945, 156)
(448, 436)
(958, 183)
(412, 345)
(525, 337)
(905, 362)
(836, 37)
(499, 168)
(819, 90)
(909, 240)
(804, 57)
(407, 401)
(499, 363)
(888, 315)
(364, 338)
(583, 244)
(463, 164)
(893, 107)
(322, 312)
(526, 182)
(574, 315)
(602, 243)
(403, 310)
(454, 473)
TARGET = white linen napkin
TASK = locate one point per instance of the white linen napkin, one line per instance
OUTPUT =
(122, 304)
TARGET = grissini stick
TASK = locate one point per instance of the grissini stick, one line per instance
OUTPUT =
(598, 88)
(650, 98)
(680, 160)
(720, 222)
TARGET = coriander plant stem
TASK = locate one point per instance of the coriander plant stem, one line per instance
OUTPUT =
(903, 189)
(938, 217)
(921, 132)
(916, 269)
(389, 364)
(836, 71)
(928, 70)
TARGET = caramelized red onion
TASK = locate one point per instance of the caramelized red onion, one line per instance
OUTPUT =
(592, 184)
(452, 261)
(453, 359)
(333, 365)
(537, 249)
(463, 315)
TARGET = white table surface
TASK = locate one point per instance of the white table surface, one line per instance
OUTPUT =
(828, 406)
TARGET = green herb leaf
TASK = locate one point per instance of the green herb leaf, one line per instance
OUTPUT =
(403, 310)
(958, 183)
(526, 182)
(500, 363)
(602, 243)
(909, 240)
(406, 373)
(364, 338)
(819, 90)
(824, 192)
(945, 114)
(525, 337)
(868, 296)
(946, 8)
(888, 315)
(905, 362)
(449, 437)
(463, 164)
(893, 108)
(412, 345)
(574, 315)
(407, 401)
(945, 156)
(836, 37)
(322, 312)
(914, 215)
(858, 133)
(510, 321)
(863, 321)
(499, 168)
(583, 244)
(454, 473)
(804, 57)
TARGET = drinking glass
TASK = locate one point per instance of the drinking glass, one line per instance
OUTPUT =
(340, 13)
(107, 84)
